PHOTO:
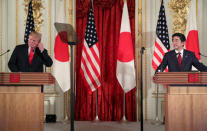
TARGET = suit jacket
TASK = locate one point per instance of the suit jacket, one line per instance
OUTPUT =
(19, 61)
(188, 60)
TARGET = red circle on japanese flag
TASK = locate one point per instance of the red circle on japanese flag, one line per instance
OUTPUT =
(61, 51)
(125, 49)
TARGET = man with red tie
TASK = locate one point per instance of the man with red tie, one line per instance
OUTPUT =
(30, 57)
(180, 59)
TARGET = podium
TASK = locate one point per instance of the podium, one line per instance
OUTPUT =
(185, 100)
(22, 100)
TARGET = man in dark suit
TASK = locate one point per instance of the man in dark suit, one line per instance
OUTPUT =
(179, 59)
(30, 57)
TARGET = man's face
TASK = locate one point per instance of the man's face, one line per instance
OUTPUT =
(33, 41)
(177, 44)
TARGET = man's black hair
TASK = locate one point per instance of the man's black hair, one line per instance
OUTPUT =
(180, 35)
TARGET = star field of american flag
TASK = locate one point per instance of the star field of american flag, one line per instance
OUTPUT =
(29, 23)
(162, 30)
(90, 34)
(162, 44)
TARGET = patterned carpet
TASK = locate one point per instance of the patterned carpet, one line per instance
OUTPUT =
(102, 126)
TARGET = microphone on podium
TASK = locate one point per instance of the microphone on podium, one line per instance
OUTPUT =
(4, 52)
(202, 54)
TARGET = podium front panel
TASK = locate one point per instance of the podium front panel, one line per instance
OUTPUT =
(21, 108)
(186, 108)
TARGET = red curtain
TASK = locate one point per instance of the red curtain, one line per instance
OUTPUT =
(107, 15)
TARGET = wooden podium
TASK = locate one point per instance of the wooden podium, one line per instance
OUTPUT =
(185, 100)
(22, 101)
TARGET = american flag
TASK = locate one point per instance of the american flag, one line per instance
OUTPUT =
(90, 62)
(30, 23)
(162, 39)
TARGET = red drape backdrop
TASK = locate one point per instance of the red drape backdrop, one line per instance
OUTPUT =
(107, 15)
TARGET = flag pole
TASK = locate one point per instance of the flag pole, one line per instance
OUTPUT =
(141, 79)
(72, 94)
(157, 121)
(124, 111)
(66, 107)
(96, 99)
(97, 106)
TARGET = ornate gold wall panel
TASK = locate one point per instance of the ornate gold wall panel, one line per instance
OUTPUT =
(179, 11)
(37, 6)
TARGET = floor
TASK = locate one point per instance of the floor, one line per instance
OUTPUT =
(103, 126)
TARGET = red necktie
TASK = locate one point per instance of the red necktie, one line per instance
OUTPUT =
(31, 54)
(179, 59)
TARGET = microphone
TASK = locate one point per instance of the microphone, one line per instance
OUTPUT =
(202, 54)
(4, 52)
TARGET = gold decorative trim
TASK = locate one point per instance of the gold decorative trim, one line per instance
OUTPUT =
(48, 69)
(146, 81)
(1, 35)
(197, 11)
(67, 92)
(37, 6)
(140, 39)
(17, 20)
(65, 7)
(179, 11)
(70, 21)
(49, 26)
(136, 54)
